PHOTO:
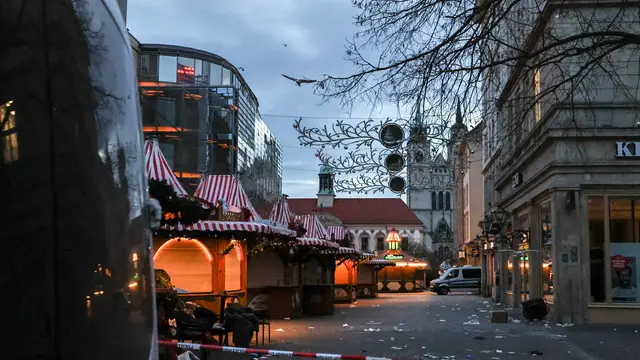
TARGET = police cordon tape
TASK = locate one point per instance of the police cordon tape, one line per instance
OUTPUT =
(238, 350)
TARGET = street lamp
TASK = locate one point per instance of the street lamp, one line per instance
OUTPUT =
(546, 223)
(499, 215)
(486, 225)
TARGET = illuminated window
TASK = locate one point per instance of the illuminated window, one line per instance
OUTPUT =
(394, 245)
(537, 110)
(9, 134)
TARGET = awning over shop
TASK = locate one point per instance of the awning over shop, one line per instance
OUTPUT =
(225, 187)
(157, 167)
(314, 227)
(380, 262)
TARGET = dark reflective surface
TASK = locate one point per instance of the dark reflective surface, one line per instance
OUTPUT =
(75, 264)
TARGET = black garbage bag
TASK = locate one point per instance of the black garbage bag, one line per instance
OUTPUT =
(535, 309)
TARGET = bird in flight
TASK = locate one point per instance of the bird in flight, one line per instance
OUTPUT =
(285, 45)
(299, 82)
(241, 68)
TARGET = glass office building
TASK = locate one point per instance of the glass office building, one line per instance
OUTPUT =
(207, 120)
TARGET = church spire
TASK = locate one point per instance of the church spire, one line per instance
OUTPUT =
(325, 187)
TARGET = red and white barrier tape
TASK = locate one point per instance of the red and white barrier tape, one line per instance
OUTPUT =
(190, 346)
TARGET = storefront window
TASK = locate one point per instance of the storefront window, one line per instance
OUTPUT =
(595, 207)
(226, 76)
(546, 243)
(624, 249)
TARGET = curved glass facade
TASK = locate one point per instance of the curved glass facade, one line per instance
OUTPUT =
(206, 119)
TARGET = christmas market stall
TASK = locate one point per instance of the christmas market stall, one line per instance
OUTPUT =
(367, 277)
(408, 274)
(348, 259)
(316, 253)
(274, 275)
(205, 260)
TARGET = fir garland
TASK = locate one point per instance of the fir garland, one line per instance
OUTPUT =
(176, 209)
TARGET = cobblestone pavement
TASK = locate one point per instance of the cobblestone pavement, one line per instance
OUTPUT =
(427, 326)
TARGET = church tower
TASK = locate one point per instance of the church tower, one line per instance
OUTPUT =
(326, 195)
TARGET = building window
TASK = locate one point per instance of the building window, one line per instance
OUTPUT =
(9, 134)
(433, 200)
(364, 243)
(380, 243)
(614, 278)
(537, 110)
(448, 200)
(404, 245)
(440, 200)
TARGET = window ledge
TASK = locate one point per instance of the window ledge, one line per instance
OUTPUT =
(614, 306)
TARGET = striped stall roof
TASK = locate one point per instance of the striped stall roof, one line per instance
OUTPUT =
(314, 227)
(378, 262)
(281, 213)
(227, 187)
(210, 225)
(338, 232)
(317, 242)
(157, 167)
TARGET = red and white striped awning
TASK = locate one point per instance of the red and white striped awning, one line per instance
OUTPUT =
(227, 187)
(281, 213)
(314, 227)
(317, 242)
(211, 225)
(346, 250)
(338, 232)
(157, 167)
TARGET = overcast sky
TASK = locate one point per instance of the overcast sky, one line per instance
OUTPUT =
(252, 34)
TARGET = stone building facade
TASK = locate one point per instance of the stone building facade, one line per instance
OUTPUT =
(566, 175)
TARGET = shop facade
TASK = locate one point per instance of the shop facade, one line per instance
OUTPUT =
(571, 232)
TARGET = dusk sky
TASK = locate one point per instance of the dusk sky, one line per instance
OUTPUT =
(252, 34)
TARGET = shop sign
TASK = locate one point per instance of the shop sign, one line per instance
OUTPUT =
(625, 149)
(394, 257)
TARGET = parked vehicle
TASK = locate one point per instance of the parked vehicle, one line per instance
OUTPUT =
(465, 279)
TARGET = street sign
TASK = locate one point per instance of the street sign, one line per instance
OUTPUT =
(397, 184)
(391, 135)
(394, 162)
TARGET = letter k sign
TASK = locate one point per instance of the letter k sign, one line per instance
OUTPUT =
(624, 149)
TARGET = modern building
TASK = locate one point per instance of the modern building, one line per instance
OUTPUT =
(468, 193)
(564, 167)
(207, 121)
(430, 192)
(368, 220)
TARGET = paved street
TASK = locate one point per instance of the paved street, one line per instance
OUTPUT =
(427, 326)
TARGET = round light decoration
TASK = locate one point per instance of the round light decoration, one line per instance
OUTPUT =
(391, 135)
(397, 184)
(394, 162)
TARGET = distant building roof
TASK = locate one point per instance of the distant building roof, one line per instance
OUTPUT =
(376, 211)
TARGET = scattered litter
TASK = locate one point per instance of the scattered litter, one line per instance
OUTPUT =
(401, 324)
(311, 327)
(442, 320)
(478, 337)
(396, 348)
(345, 325)
(392, 338)
(287, 318)
(566, 325)
(471, 322)
(470, 357)
(431, 356)
(396, 329)
(279, 330)
(352, 306)
(499, 351)
(482, 310)
(485, 351)
(515, 321)
(601, 342)
(499, 337)
(536, 353)
(559, 336)
(511, 353)
(374, 322)
(495, 358)
(375, 305)
(371, 330)
(412, 338)
(381, 340)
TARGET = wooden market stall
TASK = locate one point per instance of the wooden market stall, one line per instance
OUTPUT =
(348, 261)
(274, 275)
(316, 254)
(367, 277)
(408, 274)
(207, 261)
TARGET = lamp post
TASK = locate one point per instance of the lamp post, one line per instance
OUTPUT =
(499, 217)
